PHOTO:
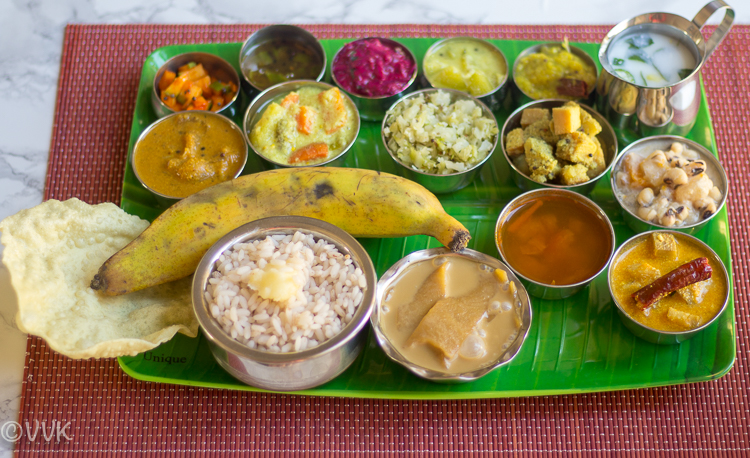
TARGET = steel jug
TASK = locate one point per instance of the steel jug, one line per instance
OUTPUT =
(671, 109)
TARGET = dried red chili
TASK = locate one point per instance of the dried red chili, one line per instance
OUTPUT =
(687, 274)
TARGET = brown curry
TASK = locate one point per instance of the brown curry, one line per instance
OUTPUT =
(187, 152)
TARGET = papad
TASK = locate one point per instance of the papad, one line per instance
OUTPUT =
(53, 251)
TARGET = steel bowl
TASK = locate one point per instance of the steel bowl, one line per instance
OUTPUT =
(439, 184)
(494, 99)
(523, 98)
(537, 288)
(165, 200)
(522, 309)
(716, 172)
(606, 137)
(295, 370)
(258, 105)
(654, 335)
(214, 65)
(373, 108)
(279, 32)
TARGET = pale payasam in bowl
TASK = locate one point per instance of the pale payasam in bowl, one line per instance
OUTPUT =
(302, 123)
(451, 317)
(667, 286)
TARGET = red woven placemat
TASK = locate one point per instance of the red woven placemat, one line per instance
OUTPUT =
(112, 414)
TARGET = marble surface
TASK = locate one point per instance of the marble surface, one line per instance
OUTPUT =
(31, 34)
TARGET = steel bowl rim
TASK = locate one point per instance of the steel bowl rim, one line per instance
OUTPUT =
(165, 66)
(590, 204)
(272, 226)
(595, 114)
(154, 124)
(484, 42)
(316, 44)
(644, 235)
(381, 97)
(393, 354)
(253, 110)
(700, 149)
(485, 111)
(573, 49)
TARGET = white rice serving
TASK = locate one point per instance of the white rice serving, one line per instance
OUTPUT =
(433, 135)
(330, 288)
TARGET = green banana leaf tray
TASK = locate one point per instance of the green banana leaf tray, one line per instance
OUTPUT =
(575, 345)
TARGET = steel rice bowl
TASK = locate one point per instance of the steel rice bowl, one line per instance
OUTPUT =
(607, 138)
(293, 370)
(440, 183)
(393, 274)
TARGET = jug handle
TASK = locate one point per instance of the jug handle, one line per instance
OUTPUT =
(721, 31)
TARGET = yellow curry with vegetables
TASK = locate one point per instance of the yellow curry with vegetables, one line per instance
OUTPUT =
(651, 258)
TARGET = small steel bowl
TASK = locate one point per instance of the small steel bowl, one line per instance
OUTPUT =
(258, 105)
(439, 184)
(716, 172)
(523, 310)
(214, 65)
(294, 370)
(606, 137)
(654, 335)
(165, 200)
(494, 99)
(523, 98)
(544, 290)
(279, 32)
(373, 108)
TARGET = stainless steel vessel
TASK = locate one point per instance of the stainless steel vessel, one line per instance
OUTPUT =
(671, 109)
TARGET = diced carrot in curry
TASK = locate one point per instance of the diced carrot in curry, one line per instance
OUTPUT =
(306, 119)
(334, 110)
(203, 83)
(309, 152)
(166, 79)
(198, 104)
(190, 89)
(291, 99)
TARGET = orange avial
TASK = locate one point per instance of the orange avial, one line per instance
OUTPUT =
(555, 241)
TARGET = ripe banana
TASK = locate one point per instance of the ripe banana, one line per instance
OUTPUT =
(364, 203)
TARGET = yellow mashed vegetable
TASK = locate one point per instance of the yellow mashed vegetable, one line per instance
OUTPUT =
(466, 65)
(538, 75)
(305, 127)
